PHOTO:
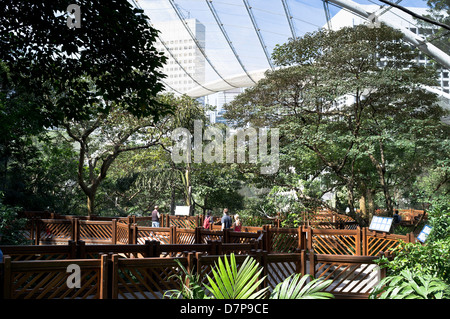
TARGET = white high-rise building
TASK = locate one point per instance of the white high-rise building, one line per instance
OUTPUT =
(185, 58)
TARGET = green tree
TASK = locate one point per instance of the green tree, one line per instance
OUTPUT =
(11, 227)
(111, 51)
(51, 74)
(347, 104)
(103, 138)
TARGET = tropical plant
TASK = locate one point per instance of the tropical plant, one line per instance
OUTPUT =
(229, 282)
(190, 286)
(408, 285)
(297, 287)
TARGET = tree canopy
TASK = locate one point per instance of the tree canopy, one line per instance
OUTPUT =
(74, 72)
(353, 114)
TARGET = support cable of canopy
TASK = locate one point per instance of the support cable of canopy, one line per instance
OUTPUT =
(199, 47)
(258, 33)
(225, 34)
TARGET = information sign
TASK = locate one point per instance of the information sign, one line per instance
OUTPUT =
(182, 210)
(424, 233)
(379, 223)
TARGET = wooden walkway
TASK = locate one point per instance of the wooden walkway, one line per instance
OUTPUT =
(124, 258)
(131, 272)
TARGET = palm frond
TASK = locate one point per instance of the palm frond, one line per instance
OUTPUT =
(297, 287)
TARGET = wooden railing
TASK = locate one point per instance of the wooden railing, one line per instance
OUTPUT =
(80, 250)
(132, 230)
(109, 273)
(357, 242)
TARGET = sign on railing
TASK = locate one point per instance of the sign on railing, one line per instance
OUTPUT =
(182, 210)
(379, 223)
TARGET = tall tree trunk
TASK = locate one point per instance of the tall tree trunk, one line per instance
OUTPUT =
(370, 203)
(381, 170)
(172, 201)
(91, 202)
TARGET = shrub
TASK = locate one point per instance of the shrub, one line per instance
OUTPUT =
(11, 227)
(408, 285)
(232, 282)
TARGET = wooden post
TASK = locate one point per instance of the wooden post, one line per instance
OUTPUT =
(32, 228)
(299, 238)
(364, 240)
(212, 247)
(148, 252)
(226, 236)
(75, 235)
(410, 237)
(190, 262)
(198, 235)
(130, 233)
(72, 249)
(219, 248)
(103, 277)
(134, 231)
(7, 277)
(81, 249)
(153, 248)
(312, 263)
(114, 231)
(309, 240)
(358, 242)
(303, 262)
(37, 238)
(173, 235)
(304, 239)
(267, 238)
(114, 287)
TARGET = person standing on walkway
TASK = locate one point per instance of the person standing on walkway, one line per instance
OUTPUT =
(226, 220)
(208, 220)
(237, 224)
(155, 217)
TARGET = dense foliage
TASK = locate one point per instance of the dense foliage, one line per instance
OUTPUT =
(420, 270)
(11, 226)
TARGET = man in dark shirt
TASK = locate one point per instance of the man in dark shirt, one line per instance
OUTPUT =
(226, 220)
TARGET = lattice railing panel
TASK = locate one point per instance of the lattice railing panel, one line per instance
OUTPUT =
(211, 236)
(334, 244)
(348, 278)
(376, 245)
(51, 282)
(56, 231)
(146, 279)
(284, 242)
(102, 232)
(122, 233)
(149, 234)
(183, 223)
(185, 238)
(279, 271)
